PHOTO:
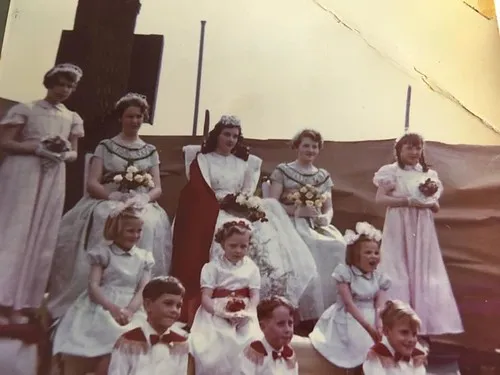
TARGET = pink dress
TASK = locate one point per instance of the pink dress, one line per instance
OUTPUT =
(31, 202)
(411, 256)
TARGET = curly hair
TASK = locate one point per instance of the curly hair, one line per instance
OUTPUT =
(240, 150)
(413, 140)
(307, 133)
(123, 104)
(266, 307)
(395, 311)
(230, 228)
(353, 251)
(114, 224)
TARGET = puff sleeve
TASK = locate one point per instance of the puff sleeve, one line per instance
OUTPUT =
(208, 276)
(385, 177)
(254, 282)
(77, 126)
(342, 274)
(149, 261)
(277, 175)
(384, 281)
(17, 115)
(99, 256)
(100, 150)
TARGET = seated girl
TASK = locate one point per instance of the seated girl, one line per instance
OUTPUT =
(115, 162)
(346, 331)
(112, 305)
(227, 318)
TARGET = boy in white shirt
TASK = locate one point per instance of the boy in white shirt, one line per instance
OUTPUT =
(272, 355)
(158, 346)
(397, 353)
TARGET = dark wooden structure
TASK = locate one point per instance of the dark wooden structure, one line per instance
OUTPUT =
(114, 61)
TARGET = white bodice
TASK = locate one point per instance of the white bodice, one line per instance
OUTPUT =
(226, 174)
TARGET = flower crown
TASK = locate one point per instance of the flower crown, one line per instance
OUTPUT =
(67, 68)
(362, 229)
(223, 231)
(227, 120)
(133, 96)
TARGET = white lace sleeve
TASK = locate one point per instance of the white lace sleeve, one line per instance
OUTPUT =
(252, 174)
(385, 177)
(190, 153)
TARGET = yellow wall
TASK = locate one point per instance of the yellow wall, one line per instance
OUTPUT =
(340, 66)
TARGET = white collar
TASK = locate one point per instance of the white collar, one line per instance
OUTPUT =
(117, 250)
(358, 272)
(268, 346)
(225, 262)
(45, 104)
(417, 167)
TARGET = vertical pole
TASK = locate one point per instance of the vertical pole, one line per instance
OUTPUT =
(206, 124)
(407, 114)
(198, 78)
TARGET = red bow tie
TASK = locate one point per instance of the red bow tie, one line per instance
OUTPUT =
(165, 339)
(285, 353)
(399, 357)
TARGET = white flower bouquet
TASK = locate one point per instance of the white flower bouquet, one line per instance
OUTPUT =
(244, 205)
(308, 195)
(132, 179)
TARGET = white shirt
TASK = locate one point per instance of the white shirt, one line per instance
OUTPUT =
(254, 362)
(380, 364)
(135, 355)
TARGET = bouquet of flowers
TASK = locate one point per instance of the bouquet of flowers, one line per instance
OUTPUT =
(308, 195)
(235, 305)
(132, 179)
(428, 188)
(244, 205)
(55, 144)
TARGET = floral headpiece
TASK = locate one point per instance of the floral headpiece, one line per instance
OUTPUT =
(133, 96)
(227, 120)
(362, 229)
(242, 223)
(131, 203)
(68, 68)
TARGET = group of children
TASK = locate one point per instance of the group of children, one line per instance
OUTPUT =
(131, 322)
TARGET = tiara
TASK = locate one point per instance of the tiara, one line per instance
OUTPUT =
(230, 120)
(131, 96)
(66, 68)
(362, 229)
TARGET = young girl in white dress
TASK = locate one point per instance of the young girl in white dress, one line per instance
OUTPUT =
(227, 318)
(112, 305)
(411, 190)
(398, 352)
(32, 190)
(347, 329)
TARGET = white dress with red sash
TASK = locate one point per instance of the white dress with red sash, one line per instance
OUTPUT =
(216, 343)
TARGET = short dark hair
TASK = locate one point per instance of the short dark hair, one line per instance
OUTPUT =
(53, 79)
(266, 307)
(124, 104)
(161, 285)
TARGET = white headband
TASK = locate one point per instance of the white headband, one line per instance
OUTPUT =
(66, 68)
(133, 96)
(362, 228)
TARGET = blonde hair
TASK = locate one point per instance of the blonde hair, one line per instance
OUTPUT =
(114, 224)
(395, 311)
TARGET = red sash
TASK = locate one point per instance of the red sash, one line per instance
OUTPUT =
(195, 221)
(222, 293)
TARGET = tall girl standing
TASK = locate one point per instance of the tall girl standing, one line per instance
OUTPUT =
(410, 190)
(38, 138)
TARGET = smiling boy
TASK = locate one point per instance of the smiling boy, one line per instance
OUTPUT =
(158, 346)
